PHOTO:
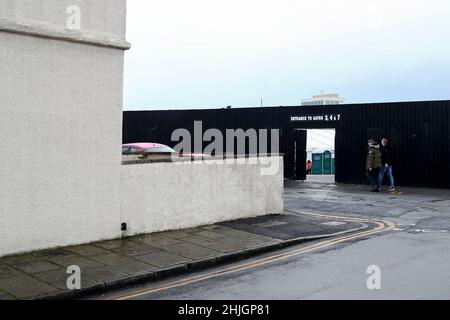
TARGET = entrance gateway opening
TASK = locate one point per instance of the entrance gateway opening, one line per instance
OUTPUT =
(314, 155)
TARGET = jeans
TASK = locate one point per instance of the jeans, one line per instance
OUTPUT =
(383, 170)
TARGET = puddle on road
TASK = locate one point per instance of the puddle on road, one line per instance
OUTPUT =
(333, 223)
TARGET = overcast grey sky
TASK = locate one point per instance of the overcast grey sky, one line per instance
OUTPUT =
(210, 53)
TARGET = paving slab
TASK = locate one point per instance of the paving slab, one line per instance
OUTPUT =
(126, 264)
(211, 234)
(257, 242)
(237, 234)
(162, 259)
(131, 248)
(109, 244)
(72, 259)
(58, 278)
(36, 266)
(7, 271)
(87, 250)
(192, 251)
(103, 274)
(52, 253)
(25, 287)
(176, 234)
(158, 240)
(203, 242)
(21, 258)
(224, 246)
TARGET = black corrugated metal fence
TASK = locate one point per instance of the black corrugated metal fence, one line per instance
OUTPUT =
(418, 133)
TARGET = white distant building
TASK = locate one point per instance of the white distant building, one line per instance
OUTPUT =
(323, 99)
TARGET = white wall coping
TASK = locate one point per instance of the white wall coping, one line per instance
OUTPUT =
(207, 158)
(56, 33)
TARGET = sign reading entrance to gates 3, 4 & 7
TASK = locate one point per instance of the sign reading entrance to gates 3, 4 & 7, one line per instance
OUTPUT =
(320, 117)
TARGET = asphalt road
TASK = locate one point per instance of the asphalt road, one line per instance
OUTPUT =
(414, 258)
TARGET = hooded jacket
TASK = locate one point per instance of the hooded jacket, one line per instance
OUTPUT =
(373, 157)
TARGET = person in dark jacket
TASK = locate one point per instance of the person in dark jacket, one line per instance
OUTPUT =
(386, 164)
(373, 164)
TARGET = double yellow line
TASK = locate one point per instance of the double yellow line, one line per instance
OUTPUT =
(380, 226)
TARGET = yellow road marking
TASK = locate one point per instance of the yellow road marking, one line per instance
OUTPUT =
(381, 226)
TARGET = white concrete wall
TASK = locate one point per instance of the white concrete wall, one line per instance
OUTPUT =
(167, 196)
(60, 123)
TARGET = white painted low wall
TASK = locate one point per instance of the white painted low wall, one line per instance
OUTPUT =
(153, 197)
(168, 196)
